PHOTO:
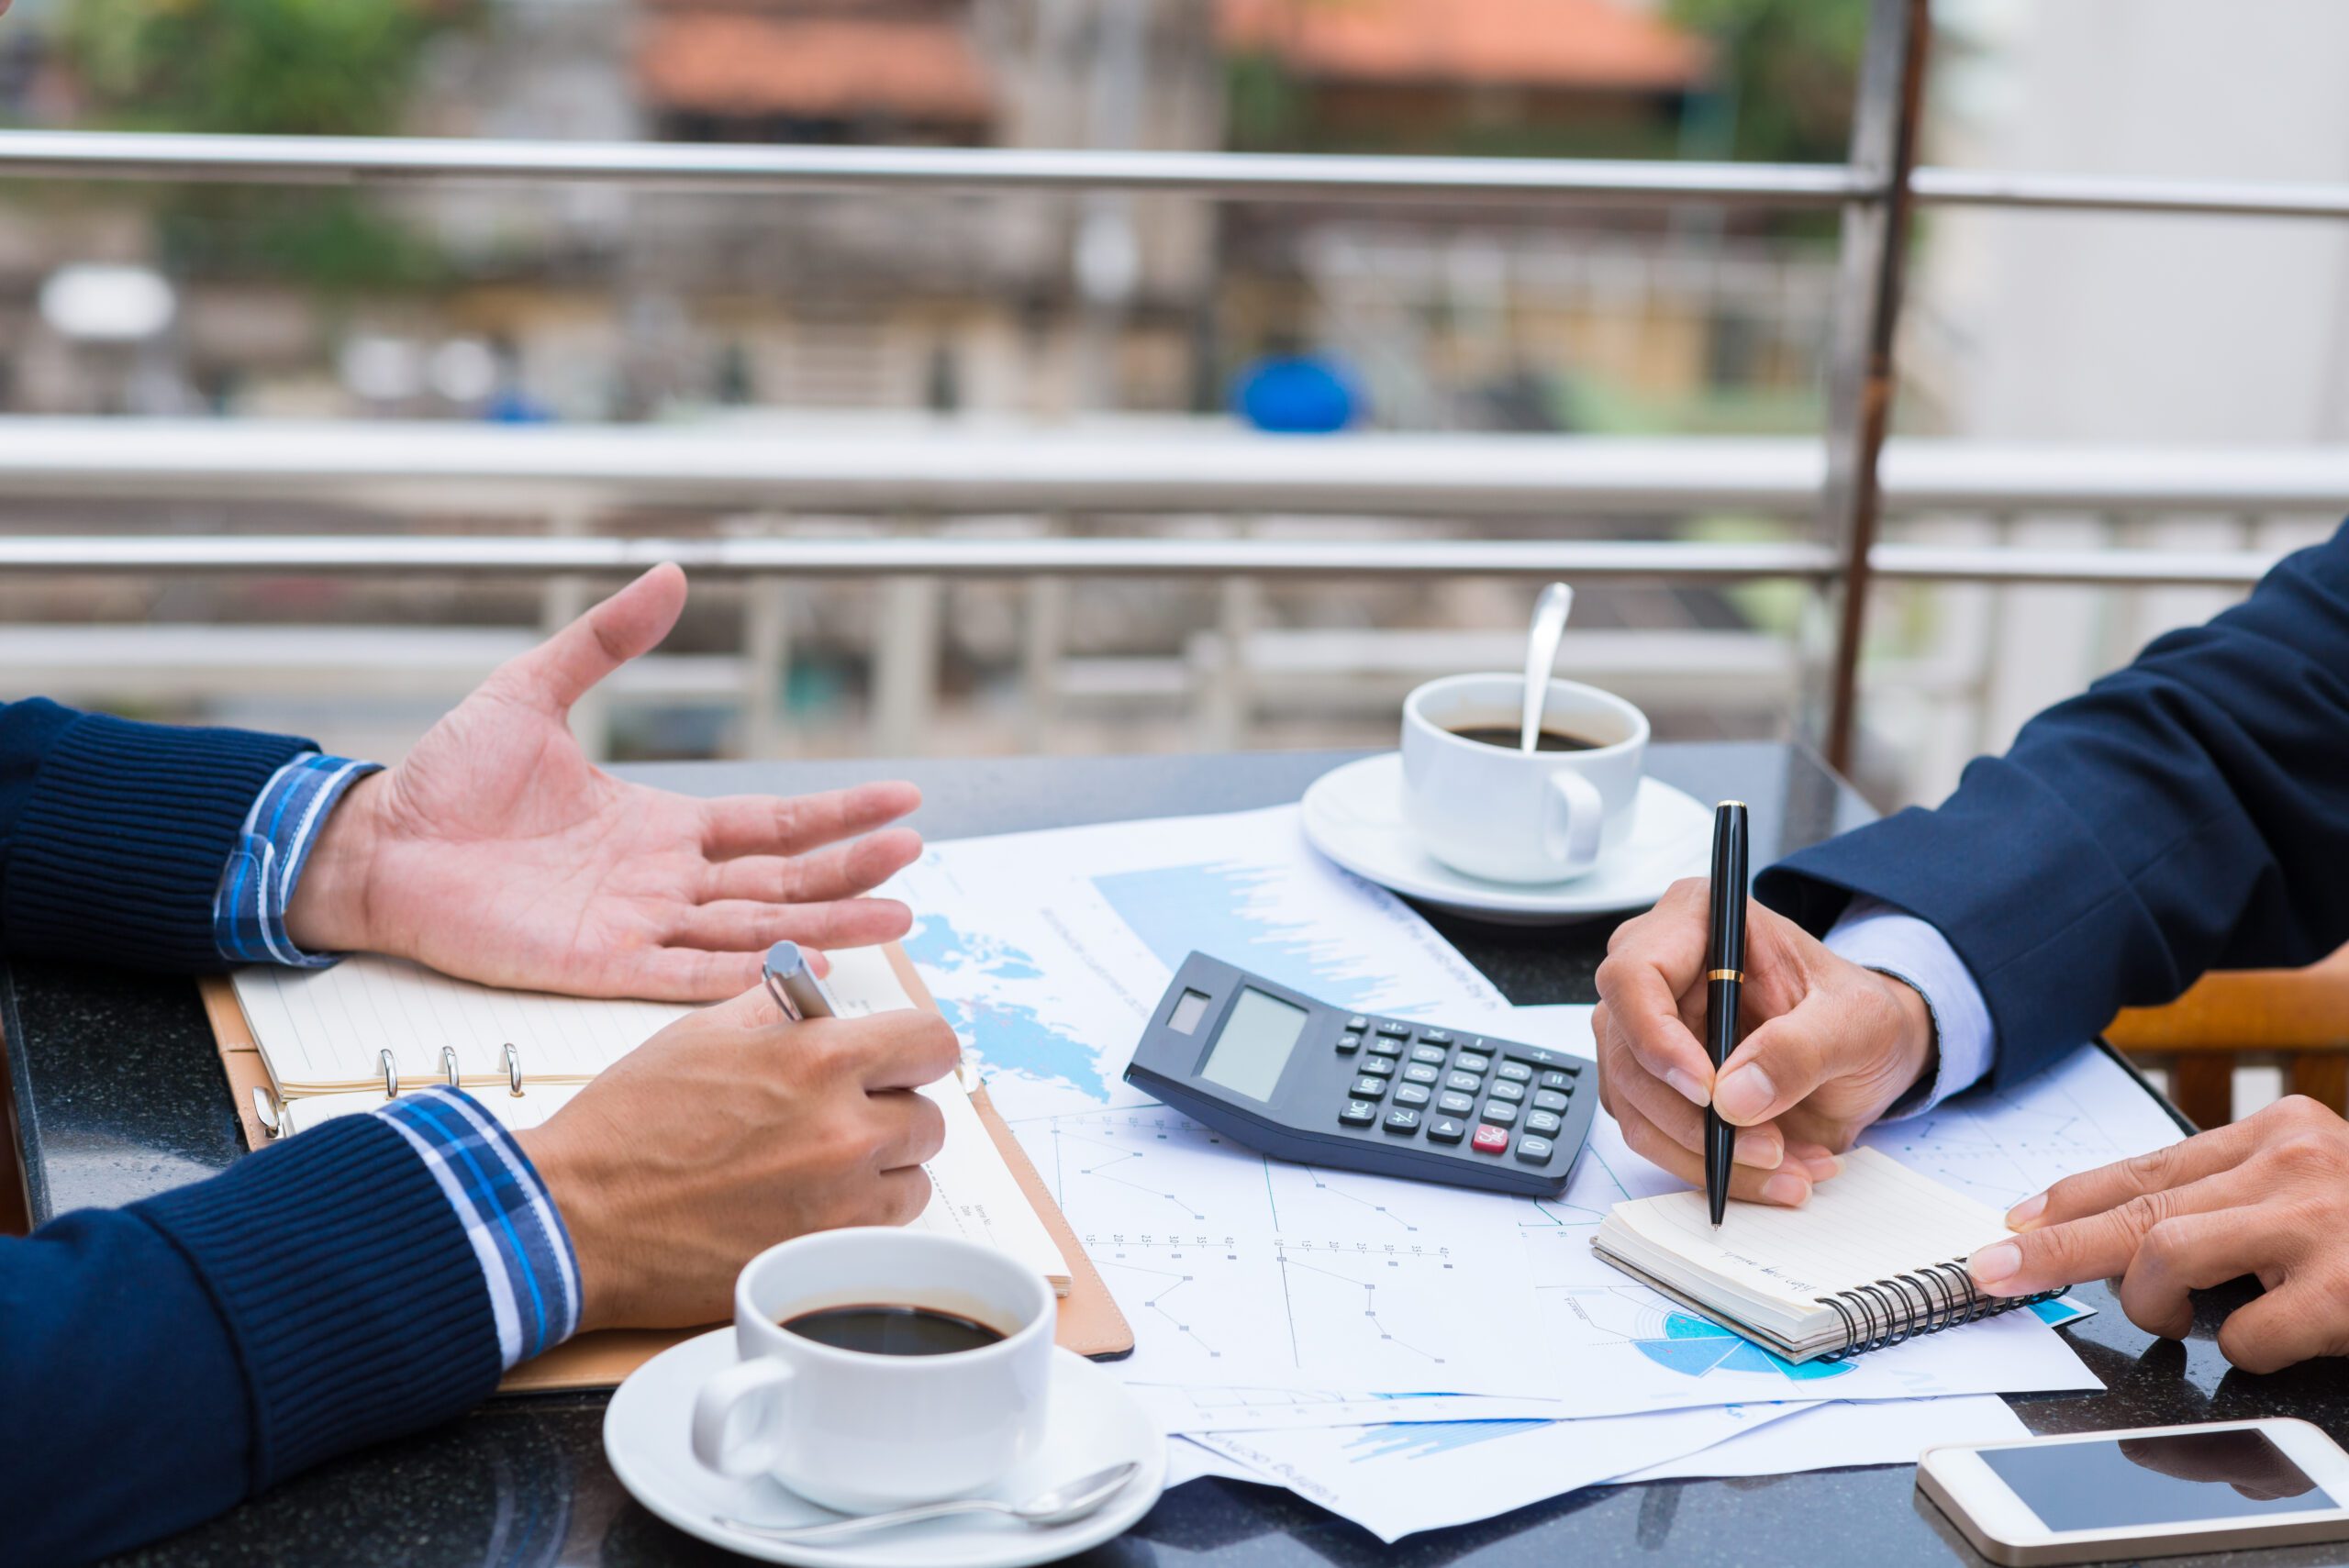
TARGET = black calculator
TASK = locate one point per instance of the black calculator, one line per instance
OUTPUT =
(1302, 1080)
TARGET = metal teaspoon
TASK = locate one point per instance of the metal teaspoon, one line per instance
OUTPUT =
(1063, 1504)
(1550, 612)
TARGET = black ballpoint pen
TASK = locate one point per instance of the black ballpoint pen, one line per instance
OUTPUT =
(1724, 975)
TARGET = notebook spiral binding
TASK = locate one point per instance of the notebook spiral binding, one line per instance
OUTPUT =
(1924, 1301)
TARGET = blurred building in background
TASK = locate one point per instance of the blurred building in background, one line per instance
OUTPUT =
(1109, 317)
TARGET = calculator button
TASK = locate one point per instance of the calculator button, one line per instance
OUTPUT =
(1558, 1080)
(1430, 1053)
(1377, 1066)
(1369, 1088)
(1348, 1044)
(1420, 1073)
(1508, 1091)
(1549, 1100)
(1467, 1083)
(1470, 1061)
(1388, 1026)
(1542, 1121)
(1358, 1025)
(1402, 1122)
(1489, 1141)
(1436, 1036)
(1358, 1113)
(1516, 1072)
(1446, 1129)
(1381, 1046)
(1416, 1094)
(1455, 1104)
(1500, 1113)
(1534, 1150)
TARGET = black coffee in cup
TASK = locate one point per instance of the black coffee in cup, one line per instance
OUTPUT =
(1509, 738)
(885, 1330)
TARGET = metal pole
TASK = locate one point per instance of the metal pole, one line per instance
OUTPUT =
(1867, 313)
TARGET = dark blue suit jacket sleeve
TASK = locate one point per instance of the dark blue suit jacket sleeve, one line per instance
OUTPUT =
(2189, 812)
(160, 1363)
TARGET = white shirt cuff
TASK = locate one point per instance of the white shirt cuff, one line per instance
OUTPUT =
(1876, 936)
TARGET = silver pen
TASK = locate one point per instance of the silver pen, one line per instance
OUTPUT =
(792, 982)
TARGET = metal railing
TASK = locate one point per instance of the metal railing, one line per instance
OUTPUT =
(1849, 478)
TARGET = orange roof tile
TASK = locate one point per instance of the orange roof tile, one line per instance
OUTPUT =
(734, 63)
(1601, 44)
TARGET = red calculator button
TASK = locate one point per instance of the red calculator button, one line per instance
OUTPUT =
(1490, 1140)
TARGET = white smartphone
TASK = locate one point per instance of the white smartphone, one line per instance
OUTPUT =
(2147, 1492)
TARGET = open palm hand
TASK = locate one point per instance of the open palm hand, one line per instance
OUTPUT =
(498, 852)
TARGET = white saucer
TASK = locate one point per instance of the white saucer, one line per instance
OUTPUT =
(1354, 816)
(1092, 1422)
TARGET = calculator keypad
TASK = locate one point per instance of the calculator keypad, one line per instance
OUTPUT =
(1474, 1093)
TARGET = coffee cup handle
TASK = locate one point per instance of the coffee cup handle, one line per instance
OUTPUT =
(1573, 814)
(714, 1409)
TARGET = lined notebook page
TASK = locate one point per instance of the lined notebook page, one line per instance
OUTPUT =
(1878, 1219)
(322, 1030)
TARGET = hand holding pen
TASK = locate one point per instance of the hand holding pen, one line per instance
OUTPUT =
(1824, 1047)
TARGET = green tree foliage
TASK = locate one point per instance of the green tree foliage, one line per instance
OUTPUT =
(261, 67)
(1785, 73)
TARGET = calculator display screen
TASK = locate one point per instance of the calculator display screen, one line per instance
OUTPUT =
(1255, 1044)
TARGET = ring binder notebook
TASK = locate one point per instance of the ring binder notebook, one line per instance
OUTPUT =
(1877, 1257)
(302, 1046)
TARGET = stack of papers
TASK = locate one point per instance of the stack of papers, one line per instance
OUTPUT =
(1408, 1355)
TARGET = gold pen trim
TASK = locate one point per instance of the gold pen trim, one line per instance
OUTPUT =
(1736, 975)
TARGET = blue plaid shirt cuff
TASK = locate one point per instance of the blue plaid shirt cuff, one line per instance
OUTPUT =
(249, 909)
(525, 1252)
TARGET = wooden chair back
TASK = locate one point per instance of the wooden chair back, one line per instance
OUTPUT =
(2296, 1019)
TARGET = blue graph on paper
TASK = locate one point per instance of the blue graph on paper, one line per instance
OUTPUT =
(1423, 1439)
(1693, 1347)
(1236, 911)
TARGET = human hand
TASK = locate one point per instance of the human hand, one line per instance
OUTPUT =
(2265, 1195)
(498, 852)
(729, 1131)
(1827, 1046)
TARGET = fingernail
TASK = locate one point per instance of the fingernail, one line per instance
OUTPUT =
(1744, 1095)
(1995, 1262)
(2026, 1211)
(1694, 1093)
(1785, 1187)
(1824, 1167)
(1760, 1151)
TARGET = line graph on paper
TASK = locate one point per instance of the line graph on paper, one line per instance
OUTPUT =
(1309, 1313)
(2000, 1146)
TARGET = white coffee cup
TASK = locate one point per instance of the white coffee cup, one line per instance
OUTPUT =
(859, 1431)
(1507, 814)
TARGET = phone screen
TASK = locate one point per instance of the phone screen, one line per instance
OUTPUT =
(2175, 1478)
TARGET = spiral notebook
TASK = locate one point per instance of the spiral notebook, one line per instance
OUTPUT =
(301, 1047)
(1876, 1256)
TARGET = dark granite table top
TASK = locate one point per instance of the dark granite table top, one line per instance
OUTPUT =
(118, 1096)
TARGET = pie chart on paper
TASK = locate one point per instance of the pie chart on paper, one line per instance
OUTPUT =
(1693, 1347)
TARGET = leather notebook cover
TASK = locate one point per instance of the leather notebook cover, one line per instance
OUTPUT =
(1090, 1323)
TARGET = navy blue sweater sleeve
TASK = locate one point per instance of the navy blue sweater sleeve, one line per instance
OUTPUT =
(190, 1350)
(113, 833)
(2188, 813)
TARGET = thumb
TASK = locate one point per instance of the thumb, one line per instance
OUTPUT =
(1779, 1064)
(560, 671)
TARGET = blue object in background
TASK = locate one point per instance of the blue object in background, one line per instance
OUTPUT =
(1296, 394)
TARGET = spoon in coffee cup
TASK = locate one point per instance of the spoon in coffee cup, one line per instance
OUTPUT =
(1550, 612)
